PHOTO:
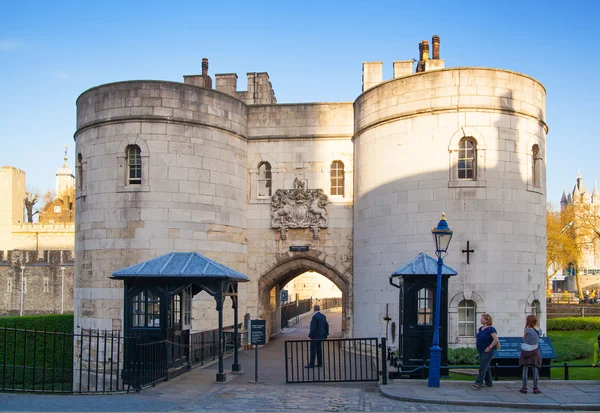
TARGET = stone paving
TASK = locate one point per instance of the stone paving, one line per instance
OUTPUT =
(197, 391)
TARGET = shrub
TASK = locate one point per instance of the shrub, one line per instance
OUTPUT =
(573, 323)
(462, 356)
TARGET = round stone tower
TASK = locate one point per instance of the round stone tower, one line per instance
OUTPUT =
(470, 142)
(162, 168)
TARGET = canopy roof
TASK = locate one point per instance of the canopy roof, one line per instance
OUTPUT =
(179, 265)
(423, 264)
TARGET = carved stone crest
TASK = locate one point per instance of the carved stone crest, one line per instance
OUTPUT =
(299, 208)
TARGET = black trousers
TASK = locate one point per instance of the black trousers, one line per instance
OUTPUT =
(316, 350)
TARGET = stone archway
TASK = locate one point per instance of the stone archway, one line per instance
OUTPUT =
(287, 270)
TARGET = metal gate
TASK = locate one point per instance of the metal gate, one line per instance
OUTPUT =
(342, 360)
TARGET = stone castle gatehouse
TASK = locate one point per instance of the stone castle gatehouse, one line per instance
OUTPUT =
(350, 190)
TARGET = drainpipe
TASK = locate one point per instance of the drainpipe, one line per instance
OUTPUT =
(22, 286)
(62, 290)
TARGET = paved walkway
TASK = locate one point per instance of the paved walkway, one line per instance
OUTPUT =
(197, 391)
(556, 394)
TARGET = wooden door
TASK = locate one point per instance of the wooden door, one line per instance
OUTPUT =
(419, 301)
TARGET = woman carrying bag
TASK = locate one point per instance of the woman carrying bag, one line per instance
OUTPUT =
(487, 340)
(530, 353)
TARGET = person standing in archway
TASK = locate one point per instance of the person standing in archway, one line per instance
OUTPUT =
(319, 330)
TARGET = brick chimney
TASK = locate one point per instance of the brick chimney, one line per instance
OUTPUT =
(423, 55)
(202, 80)
(435, 42)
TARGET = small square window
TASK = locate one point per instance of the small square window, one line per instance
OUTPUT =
(57, 209)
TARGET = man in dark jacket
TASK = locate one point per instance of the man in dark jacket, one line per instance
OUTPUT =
(319, 330)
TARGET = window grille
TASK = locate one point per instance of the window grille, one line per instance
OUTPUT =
(134, 165)
(425, 307)
(337, 178)
(466, 318)
(466, 159)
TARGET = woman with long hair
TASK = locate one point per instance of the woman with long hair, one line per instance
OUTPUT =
(530, 353)
(487, 339)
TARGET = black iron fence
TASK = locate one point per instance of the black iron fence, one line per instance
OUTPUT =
(342, 360)
(92, 361)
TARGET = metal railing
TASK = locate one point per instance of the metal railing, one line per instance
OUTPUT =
(343, 360)
(422, 369)
(93, 361)
(58, 362)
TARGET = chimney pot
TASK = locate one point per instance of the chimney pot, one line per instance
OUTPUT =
(435, 41)
(204, 66)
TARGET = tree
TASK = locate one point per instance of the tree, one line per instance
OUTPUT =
(562, 247)
(30, 200)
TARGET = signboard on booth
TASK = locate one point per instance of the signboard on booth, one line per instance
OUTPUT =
(284, 296)
(258, 332)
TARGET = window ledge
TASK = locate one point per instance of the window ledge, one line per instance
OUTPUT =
(467, 184)
(535, 189)
(133, 188)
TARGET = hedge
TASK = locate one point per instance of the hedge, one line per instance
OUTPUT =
(573, 323)
(36, 357)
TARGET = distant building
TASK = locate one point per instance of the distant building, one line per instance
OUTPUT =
(589, 267)
(36, 258)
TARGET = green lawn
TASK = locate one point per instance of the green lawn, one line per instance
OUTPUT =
(576, 349)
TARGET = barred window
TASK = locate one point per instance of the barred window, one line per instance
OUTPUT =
(9, 285)
(337, 178)
(425, 307)
(146, 309)
(467, 159)
(134, 165)
(264, 179)
(466, 318)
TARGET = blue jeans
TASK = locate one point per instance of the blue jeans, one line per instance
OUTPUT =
(485, 373)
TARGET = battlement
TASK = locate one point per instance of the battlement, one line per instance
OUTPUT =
(259, 91)
(36, 227)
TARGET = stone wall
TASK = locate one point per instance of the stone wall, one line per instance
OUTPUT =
(192, 196)
(407, 133)
(48, 279)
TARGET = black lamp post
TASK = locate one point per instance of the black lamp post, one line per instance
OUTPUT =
(442, 235)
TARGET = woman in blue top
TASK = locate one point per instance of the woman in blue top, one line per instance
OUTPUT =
(487, 338)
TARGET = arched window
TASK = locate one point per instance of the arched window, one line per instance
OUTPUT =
(337, 178)
(535, 308)
(466, 318)
(134, 165)
(264, 179)
(146, 310)
(425, 307)
(536, 161)
(467, 159)
(79, 172)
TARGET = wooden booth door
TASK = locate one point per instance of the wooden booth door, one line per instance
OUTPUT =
(178, 333)
(419, 305)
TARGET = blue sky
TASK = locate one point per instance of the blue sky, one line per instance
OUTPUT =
(50, 52)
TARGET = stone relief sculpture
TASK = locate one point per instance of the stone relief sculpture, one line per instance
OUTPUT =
(299, 208)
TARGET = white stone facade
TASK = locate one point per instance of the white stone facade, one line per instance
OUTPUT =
(201, 152)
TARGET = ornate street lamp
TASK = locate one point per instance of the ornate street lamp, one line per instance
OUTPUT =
(442, 235)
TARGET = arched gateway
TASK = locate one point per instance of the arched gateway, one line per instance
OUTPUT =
(289, 269)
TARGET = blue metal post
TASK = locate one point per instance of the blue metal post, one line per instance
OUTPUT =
(435, 353)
